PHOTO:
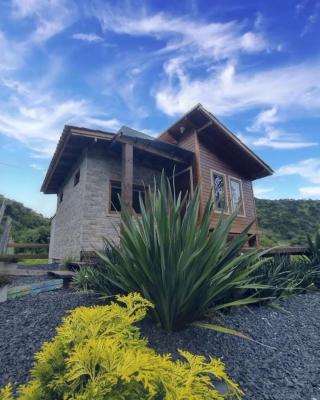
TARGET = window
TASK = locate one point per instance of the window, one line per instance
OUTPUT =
(115, 192)
(219, 191)
(236, 197)
(76, 178)
(60, 197)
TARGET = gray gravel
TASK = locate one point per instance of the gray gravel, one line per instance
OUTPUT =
(291, 371)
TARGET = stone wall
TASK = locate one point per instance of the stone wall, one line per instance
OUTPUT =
(83, 218)
(98, 221)
(66, 227)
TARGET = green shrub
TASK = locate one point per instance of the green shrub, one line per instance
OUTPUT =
(170, 256)
(83, 279)
(98, 354)
(282, 277)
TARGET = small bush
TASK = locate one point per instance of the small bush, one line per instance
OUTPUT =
(98, 354)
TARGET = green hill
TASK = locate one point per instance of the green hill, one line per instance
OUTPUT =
(287, 221)
(27, 225)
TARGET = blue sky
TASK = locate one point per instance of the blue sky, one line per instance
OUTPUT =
(254, 64)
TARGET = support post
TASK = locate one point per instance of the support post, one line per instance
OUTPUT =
(127, 173)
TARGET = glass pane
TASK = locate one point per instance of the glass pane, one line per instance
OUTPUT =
(236, 197)
(135, 198)
(219, 191)
(115, 193)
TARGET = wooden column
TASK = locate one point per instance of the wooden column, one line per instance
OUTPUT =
(197, 179)
(127, 173)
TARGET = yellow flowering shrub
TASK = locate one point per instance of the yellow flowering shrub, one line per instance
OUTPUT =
(98, 354)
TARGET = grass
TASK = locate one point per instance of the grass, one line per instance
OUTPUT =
(33, 261)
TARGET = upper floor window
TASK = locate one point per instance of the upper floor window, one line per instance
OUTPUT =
(219, 191)
(76, 178)
(115, 192)
(236, 195)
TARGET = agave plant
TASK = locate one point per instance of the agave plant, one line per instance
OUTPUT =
(173, 259)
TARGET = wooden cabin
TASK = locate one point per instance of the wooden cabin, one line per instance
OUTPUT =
(90, 168)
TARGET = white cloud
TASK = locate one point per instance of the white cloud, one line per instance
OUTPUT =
(50, 16)
(198, 38)
(264, 118)
(310, 192)
(112, 124)
(87, 37)
(261, 191)
(312, 19)
(12, 54)
(272, 137)
(308, 169)
(36, 167)
(278, 139)
(227, 91)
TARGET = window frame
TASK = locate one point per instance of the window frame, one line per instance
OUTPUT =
(219, 210)
(135, 188)
(113, 181)
(230, 178)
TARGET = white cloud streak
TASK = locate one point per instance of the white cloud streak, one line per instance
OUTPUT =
(308, 169)
(310, 192)
(50, 16)
(228, 91)
(262, 191)
(209, 40)
(87, 37)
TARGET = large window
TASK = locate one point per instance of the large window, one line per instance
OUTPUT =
(115, 192)
(219, 191)
(236, 196)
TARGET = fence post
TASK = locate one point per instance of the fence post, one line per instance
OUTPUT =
(4, 239)
(2, 209)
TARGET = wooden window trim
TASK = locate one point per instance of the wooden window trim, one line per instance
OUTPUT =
(217, 210)
(190, 175)
(135, 187)
(110, 211)
(230, 177)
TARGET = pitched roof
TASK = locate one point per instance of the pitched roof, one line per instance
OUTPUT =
(74, 140)
(213, 131)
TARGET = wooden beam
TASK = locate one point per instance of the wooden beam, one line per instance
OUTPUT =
(197, 171)
(152, 150)
(127, 173)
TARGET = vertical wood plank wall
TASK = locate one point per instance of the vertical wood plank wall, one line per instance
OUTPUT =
(208, 160)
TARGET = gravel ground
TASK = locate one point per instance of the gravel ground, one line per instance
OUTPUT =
(290, 371)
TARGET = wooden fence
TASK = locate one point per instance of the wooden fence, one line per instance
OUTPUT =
(21, 255)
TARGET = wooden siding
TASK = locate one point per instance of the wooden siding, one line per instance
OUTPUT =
(207, 160)
(210, 161)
